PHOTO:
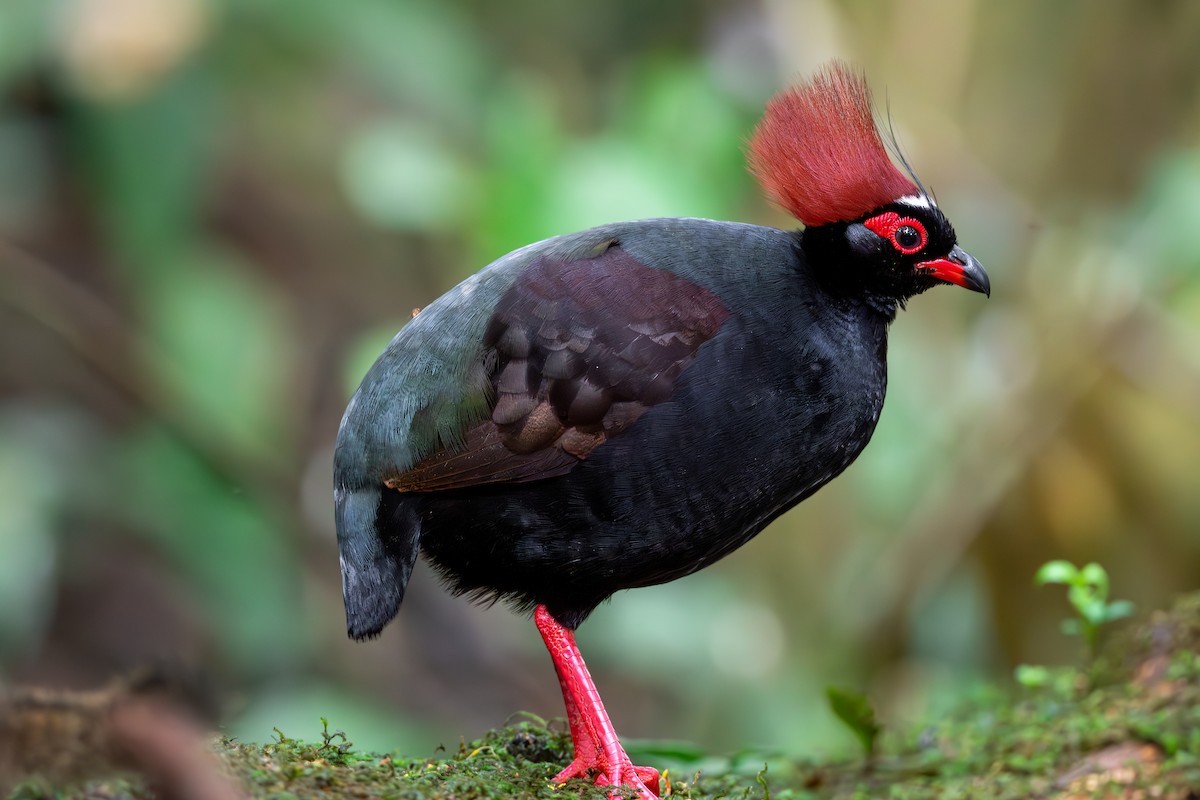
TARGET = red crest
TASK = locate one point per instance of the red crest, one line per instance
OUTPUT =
(818, 154)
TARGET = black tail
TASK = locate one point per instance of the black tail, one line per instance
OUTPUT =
(379, 546)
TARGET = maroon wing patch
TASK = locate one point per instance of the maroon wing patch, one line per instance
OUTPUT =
(582, 349)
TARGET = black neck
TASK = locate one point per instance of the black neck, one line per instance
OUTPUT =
(827, 257)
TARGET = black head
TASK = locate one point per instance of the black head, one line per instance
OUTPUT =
(890, 254)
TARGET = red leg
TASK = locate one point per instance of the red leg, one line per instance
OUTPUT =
(597, 748)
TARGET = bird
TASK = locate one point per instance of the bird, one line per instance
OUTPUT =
(624, 406)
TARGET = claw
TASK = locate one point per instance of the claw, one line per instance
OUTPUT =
(649, 776)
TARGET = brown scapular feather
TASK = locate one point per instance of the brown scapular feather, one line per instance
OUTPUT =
(582, 349)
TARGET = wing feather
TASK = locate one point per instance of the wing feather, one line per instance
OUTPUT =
(580, 348)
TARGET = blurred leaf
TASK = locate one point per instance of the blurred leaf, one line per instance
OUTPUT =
(238, 565)
(683, 608)
(1118, 609)
(949, 626)
(696, 131)
(855, 710)
(1056, 572)
(523, 147)
(149, 163)
(753, 759)
(402, 176)
(229, 348)
(41, 450)
(653, 750)
(1032, 676)
(1167, 226)
(1092, 610)
(24, 28)
(899, 468)
(417, 50)
(1095, 576)
(678, 758)
(608, 179)
(673, 149)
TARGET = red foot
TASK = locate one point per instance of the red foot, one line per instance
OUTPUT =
(598, 752)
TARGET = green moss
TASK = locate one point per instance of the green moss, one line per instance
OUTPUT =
(517, 761)
(1037, 745)
(1136, 729)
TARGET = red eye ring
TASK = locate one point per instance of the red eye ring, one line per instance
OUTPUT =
(893, 227)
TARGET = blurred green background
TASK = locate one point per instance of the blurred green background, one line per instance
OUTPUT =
(214, 214)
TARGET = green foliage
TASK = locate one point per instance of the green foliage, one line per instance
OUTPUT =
(1057, 680)
(1087, 592)
(856, 712)
(402, 176)
(1132, 737)
(149, 214)
(334, 747)
(1032, 676)
(1136, 736)
(518, 761)
(24, 30)
(35, 475)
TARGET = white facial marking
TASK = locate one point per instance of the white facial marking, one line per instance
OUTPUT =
(917, 201)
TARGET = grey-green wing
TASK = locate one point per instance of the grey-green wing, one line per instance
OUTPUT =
(423, 395)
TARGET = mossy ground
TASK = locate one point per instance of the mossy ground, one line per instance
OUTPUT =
(1128, 727)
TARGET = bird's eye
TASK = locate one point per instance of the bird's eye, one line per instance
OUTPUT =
(905, 233)
(907, 238)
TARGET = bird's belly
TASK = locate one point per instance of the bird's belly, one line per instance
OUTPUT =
(692, 481)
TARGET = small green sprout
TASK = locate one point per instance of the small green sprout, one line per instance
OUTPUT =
(1033, 676)
(1060, 681)
(1087, 591)
(856, 713)
(761, 777)
(330, 748)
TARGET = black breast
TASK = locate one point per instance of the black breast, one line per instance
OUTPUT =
(774, 406)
